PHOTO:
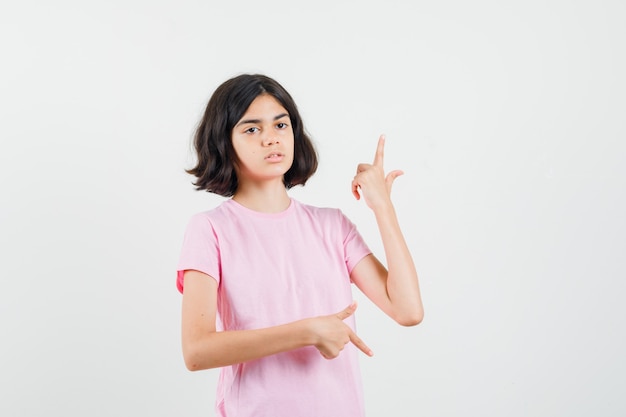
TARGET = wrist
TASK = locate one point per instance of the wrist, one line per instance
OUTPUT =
(383, 207)
(304, 332)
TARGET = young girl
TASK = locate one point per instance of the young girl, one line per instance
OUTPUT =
(266, 280)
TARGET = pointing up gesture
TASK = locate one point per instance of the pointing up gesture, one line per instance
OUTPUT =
(370, 180)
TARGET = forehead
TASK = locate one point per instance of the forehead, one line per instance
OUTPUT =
(265, 104)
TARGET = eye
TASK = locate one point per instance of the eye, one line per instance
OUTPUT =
(282, 125)
(251, 130)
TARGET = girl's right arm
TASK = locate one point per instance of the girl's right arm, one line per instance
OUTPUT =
(204, 347)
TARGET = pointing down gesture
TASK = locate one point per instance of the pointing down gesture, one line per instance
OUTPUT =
(332, 334)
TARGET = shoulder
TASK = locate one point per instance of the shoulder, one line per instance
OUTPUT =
(206, 218)
(327, 215)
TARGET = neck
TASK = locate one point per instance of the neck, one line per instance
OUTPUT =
(268, 198)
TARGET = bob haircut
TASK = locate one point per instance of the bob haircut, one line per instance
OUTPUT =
(216, 157)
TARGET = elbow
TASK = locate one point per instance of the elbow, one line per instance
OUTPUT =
(194, 360)
(191, 362)
(192, 365)
(199, 352)
(412, 319)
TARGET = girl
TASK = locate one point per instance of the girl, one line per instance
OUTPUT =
(266, 280)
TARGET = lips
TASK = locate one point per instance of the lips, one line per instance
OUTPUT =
(274, 156)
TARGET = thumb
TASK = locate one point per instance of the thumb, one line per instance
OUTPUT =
(391, 177)
(347, 312)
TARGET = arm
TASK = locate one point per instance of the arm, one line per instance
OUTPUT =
(204, 347)
(396, 290)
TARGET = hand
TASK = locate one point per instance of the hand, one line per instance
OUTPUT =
(333, 334)
(370, 179)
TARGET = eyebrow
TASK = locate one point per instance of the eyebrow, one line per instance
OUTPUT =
(255, 121)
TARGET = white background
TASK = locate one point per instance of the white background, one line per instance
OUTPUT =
(507, 118)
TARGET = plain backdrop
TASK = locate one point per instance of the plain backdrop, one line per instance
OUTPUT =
(507, 118)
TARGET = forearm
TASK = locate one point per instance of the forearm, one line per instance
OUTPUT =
(217, 349)
(402, 281)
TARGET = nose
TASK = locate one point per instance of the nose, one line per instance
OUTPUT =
(270, 140)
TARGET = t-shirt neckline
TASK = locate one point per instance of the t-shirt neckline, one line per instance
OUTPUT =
(249, 212)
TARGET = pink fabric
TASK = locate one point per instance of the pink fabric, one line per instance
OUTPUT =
(273, 269)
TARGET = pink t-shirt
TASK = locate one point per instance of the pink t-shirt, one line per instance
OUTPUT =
(275, 268)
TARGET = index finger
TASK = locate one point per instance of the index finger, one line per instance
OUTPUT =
(380, 151)
(360, 344)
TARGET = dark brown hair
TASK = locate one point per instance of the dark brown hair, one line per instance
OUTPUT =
(215, 168)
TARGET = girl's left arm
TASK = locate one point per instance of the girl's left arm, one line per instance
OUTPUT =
(394, 289)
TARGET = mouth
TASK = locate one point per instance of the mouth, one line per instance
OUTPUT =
(274, 156)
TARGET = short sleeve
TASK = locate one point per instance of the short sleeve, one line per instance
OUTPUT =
(354, 246)
(200, 250)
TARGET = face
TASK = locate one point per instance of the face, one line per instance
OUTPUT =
(263, 141)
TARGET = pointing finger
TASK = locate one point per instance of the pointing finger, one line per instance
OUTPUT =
(380, 151)
(360, 344)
